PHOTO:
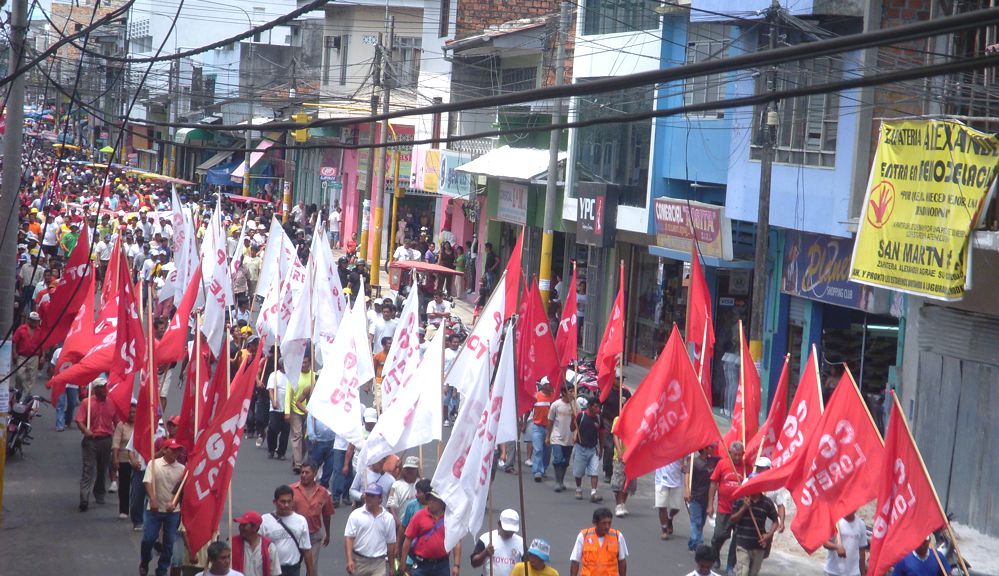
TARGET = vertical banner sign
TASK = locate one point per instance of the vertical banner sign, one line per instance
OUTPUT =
(596, 215)
(927, 188)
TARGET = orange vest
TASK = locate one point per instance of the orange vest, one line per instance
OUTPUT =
(599, 560)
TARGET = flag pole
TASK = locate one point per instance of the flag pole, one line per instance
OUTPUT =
(742, 383)
(151, 383)
(620, 359)
(197, 373)
(489, 508)
(228, 383)
(936, 497)
(759, 451)
(520, 464)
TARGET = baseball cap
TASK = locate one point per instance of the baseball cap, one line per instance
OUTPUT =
(171, 444)
(540, 548)
(100, 381)
(373, 489)
(175, 420)
(34, 316)
(510, 520)
(411, 462)
(763, 462)
(370, 415)
(582, 403)
(250, 517)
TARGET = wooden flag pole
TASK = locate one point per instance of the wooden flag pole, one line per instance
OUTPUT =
(936, 497)
(180, 488)
(228, 384)
(197, 374)
(151, 380)
(742, 384)
(489, 509)
(520, 467)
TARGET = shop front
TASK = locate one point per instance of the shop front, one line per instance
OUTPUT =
(848, 323)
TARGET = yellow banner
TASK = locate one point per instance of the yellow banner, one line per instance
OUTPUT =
(927, 187)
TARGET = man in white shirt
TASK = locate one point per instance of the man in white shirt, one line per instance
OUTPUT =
(383, 327)
(669, 495)
(848, 549)
(498, 551)
(404, 489)
(438, 309)
(277, 427)
(369, 538)
(561, 425)
(290, 534)
(219, 561)
(335, 227)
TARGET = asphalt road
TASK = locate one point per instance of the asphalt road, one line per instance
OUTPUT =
(43, 534)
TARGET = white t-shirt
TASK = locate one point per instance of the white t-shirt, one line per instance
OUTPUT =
(400, 494)
(231, 572)
(401, 254)
(434, 308)
(710, 573)
(279, 382)
(561, 414)
(670, 475)
(51, 231)
(252, 558)
(372, 534)
(506, 553)
(449, 356)
(854, 537)
(335, 221)
(382, 328)
(577, 548)
(286, 544)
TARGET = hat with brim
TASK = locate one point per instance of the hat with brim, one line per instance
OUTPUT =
(250, 517)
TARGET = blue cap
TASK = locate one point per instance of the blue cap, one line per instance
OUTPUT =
(541, 549)
(373, 489)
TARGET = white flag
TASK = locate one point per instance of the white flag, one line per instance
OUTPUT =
(217, 281)
(304, 314)
(414, 415)
(237, 257)
(465, 468)
(335, 401)
(405, 349)
(279, 253)
(330, 301)
(185, 248)
(286, 280)
(482, 344)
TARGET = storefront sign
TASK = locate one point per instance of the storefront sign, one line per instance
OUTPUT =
(927, 187)
(512, 205)
(452, 182)
(679, 222)
(596, 215)
(431, 171)
(817, 267)
(327, 173)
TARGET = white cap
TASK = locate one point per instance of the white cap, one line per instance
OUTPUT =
(763, 462)
(370, 415)
(510, 520)
(582, 403)
(411, 462)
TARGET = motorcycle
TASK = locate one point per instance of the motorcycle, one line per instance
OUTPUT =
(19, 426)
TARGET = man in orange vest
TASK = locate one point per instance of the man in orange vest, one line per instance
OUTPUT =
(600, 550)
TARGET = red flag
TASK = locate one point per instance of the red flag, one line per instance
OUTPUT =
(69, 294)
(612, 345)
(568, 329)
(514, 276)
(198, 375)
(212, 461)
(146, 413)
(130, 345)
(839, 468)
(798, 429)
(700, 325)
(110, 285)
(172, 347)
(667, 418)
(73, 350)
(217, 390)
(746, 411)
(536, 356)
(764, 443)
(908, 509)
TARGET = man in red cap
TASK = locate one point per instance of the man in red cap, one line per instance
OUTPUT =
(253, 554)
(162, 482)
(172, 425)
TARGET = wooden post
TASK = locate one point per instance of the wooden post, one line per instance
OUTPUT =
(197, 374)
(151, 380)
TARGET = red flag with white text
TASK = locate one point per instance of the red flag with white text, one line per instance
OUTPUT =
(196, 391)
(748, 401)
(668, 417)
(69, 294)
(765, 441)
(172, 347)
(536, 356)
(612, 344)
(799, 426)
(146, 414)
(908, 509)
(568, 328)
(213, 459)
(81, 329)
(130, 346)
(839, 468)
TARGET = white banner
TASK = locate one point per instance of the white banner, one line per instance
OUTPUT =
(405, 350)
(217, 282)
(482, 345)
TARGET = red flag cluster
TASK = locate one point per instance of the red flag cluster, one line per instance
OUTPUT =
(746, 411)
(536, 357)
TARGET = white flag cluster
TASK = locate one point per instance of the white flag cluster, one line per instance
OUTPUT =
(482, 343)
(484, 420)
(281, 281)
(218, 284)
(405, 350)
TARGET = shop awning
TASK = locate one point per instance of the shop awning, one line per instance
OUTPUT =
(185, 135)
(511, 163)
(712, 261)
(212, 162)
(255, 157)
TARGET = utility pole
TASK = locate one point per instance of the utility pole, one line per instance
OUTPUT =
(249, 125)
(554, 137)
(9, 187)
(376, 80)
(768, 136)
(378, 186)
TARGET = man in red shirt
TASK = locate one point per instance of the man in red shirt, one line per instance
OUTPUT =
(96, 420)
(728, 475)
(315, 503)
(25, 340)
(539, 429)
(425, 542)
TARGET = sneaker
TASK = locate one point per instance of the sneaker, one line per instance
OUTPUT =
(447, 423)
(594, 497)
(528, 462)
(560, 487)
(260, 442)
(619, 511)
(60, 428)
(579, 494)
(537, 477)
(665, 536)
(122, 516)
(113, 487)
(136, 527)
(624, 510)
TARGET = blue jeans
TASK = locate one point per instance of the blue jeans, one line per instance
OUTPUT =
(698, 515)
(152, 524)
(322, 454)
(561, 455)
(341, 481)
(66, 407)
(542, 452)
(137, 498)
(450, 402)
(437, 569)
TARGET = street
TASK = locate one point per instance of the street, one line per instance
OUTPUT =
(44, 534)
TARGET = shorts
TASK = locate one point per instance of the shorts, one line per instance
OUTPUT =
(585, 461)
(165, 380)
(618, 479)
(669, 498)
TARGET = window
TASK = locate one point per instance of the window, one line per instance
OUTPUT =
(141, 44)
(406, 55)
(610, 16)
(806, 130)
(616, 154)
(335, 59)
(518, 79)
(705, 41)
(444, 18)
